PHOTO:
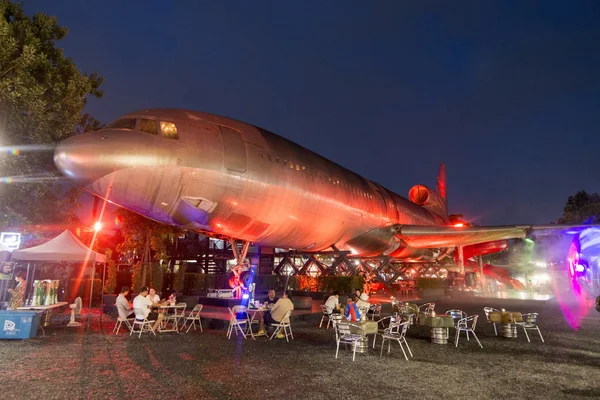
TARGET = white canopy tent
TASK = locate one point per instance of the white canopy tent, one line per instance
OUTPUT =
(64, 247)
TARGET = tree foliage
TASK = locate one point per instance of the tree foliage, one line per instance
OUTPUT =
(42, 97)
(581, 208)
(134, 230)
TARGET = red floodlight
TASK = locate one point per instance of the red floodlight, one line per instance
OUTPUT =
(98, 226)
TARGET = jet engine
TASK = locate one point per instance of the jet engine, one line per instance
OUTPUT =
(427, 198)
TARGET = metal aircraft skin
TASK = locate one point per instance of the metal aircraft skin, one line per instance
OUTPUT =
(226, 178)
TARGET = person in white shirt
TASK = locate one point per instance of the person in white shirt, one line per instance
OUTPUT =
(278, 311)
(154, 298)
(333, 303)
(142, 307)
(123, 306)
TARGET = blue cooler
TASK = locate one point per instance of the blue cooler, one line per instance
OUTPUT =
(18, 324)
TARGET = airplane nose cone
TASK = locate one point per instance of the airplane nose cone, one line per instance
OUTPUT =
(81, 158)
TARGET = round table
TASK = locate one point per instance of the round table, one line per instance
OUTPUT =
(507, 319)
(438, 326)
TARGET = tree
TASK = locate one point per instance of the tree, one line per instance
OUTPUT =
(42, 96)
(144, 238)
(581, 208)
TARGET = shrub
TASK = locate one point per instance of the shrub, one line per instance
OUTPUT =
(136, 277)
(157, 277)
(179, 281)
(111, 279)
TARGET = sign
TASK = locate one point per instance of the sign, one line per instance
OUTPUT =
(10, 240)
(6, 270)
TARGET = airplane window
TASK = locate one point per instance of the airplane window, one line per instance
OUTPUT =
(125, 123)
(149, 126)
(297, 167)
(269, 157)
(291, 165)
(169, 130)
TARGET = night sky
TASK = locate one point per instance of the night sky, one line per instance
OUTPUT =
(506, 93)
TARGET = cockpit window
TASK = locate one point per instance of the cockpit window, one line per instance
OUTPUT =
(169, 130)
(149, 126)
(125, 123)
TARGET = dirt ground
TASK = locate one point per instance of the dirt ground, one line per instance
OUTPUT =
(92, 363)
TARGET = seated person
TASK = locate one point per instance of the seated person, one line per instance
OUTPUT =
(122, 304)
(142, 306)
(352, 313)
(276, 314)
(271, 300)
(332, 305)
(363, 302)
(153, 296)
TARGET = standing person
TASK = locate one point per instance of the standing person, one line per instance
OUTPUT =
(17, 294)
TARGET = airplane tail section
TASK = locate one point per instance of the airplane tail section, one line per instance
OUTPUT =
(434, 201)
(441, 188)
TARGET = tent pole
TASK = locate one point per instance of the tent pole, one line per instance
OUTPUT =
(26, 282)
(91, 288)
(103, 278)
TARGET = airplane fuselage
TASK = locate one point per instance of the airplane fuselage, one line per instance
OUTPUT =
(224, 177)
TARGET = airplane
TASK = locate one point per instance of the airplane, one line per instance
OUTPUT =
(229, 179)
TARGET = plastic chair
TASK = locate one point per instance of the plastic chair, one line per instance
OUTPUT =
(396, 332)
(123, 318)
(193, 317)
(235, 323)
(142, 322)
(487, 311)
(285, 325)
(325, 315)
(467, 325)
(530, 323)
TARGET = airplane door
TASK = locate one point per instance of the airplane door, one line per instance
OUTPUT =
(234, 150)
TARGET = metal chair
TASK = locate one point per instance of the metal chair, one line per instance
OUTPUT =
(487, 311)
(193, 317)
(325, 315)
(381, 325)
(235, 323)
(285, 325)
(376, 308)
(427, 308)
(396, 331)
(456, 316)
(344, 335)
(467, 325)
(530, 323)
(142, 322)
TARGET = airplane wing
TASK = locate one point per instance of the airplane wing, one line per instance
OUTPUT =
(424, 237)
